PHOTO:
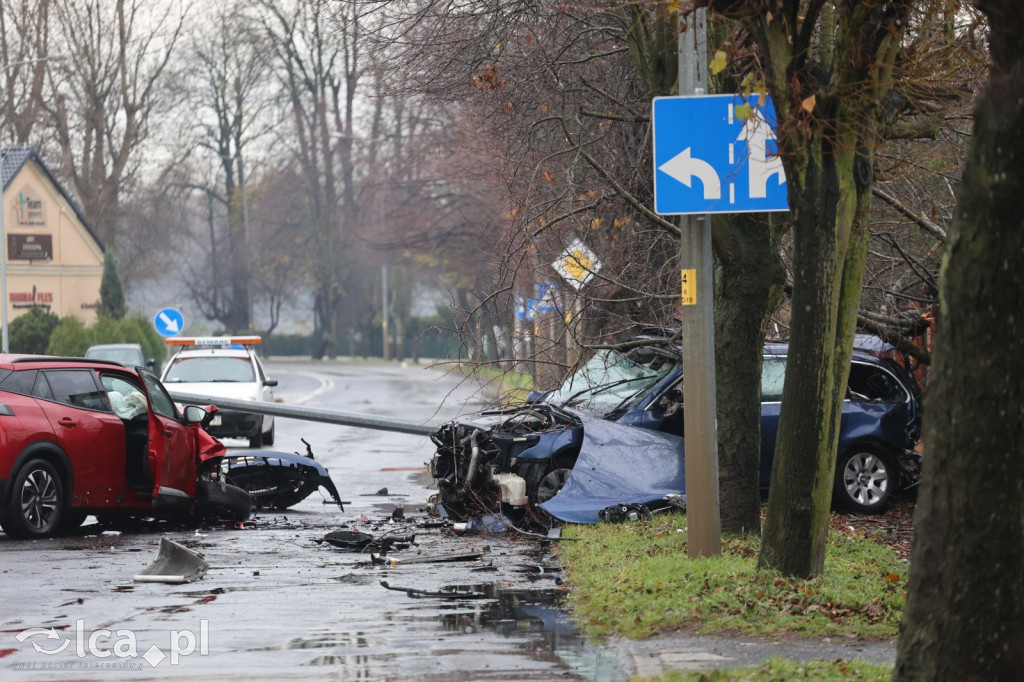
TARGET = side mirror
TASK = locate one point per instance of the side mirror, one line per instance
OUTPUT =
(270, 382)
(194, 414)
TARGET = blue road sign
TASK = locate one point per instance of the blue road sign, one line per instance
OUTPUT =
(169, 322)
(716, 154)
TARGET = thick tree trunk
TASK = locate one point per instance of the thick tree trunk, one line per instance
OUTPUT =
(751, 281)
(828, 265)
(964, 618)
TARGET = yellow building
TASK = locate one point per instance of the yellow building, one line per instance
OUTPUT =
(54, 260)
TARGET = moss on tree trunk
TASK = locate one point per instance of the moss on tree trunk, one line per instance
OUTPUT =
(750, 284)
(964, 618)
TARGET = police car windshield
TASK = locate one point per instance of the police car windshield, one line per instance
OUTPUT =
(209, 369)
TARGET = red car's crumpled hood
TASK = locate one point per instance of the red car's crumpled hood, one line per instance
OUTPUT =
(208, 446)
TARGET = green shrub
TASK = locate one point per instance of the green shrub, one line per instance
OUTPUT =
(30, 332)
(70, 338)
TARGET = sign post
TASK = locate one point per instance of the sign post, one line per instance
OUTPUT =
(703, 519)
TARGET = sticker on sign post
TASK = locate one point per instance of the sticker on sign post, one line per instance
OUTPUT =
(689, 287)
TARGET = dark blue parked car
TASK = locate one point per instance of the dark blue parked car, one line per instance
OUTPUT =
(642, 387)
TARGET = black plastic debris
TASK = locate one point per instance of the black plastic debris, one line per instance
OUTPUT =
(355, 541)
(348, 540)
(278, 480)
(449, 592)
(623, 513)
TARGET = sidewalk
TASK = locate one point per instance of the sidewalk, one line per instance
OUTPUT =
(682, 651)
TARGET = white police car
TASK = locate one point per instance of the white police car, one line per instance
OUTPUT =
(224, 367)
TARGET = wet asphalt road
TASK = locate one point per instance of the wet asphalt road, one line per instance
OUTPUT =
(275, 604)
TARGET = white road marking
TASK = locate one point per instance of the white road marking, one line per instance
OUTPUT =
(326, 384)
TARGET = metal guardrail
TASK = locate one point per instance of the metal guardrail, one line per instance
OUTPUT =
(357, 419)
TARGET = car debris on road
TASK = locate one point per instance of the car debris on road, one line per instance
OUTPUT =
(175, 564)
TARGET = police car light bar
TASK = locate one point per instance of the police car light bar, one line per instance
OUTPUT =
(213, 340)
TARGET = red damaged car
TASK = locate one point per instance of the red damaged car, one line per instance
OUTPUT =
(81, 437)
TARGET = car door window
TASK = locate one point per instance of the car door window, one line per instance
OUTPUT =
(773, 374)
(158, 397)
(76, 387)
(868, 382)
(126, 398)
(20, 382)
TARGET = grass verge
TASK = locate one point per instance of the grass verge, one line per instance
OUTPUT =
(781, 669)
(635, 581)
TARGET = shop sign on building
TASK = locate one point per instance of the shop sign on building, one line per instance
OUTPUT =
(29, 209)
(30, 247)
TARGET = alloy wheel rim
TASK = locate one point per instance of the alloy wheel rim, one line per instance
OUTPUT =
(39, 499)
(866, 479)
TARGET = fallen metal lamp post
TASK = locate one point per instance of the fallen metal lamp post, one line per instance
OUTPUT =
(357, 419)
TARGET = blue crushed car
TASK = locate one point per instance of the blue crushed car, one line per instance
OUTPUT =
(561, 454)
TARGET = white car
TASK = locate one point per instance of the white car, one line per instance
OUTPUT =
(224, 367)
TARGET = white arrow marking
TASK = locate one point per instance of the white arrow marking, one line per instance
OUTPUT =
(50, 633)
(683, 167)
(172, 325)
(41, 650)
(756, 132)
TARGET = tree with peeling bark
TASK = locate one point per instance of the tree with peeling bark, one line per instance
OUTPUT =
(964, 618)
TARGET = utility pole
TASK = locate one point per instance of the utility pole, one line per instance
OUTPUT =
(703, 520)
(384, 310)
(245, 240)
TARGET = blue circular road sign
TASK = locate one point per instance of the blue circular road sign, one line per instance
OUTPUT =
(169, 322)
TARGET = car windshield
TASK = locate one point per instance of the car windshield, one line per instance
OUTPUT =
(129, 357)
(611, 379)
(209, 369)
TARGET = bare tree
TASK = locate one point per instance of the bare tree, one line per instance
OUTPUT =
(232, 109)
(107, 94)
(318, 50)
(24, 37)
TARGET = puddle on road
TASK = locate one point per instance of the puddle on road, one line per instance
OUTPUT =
(532, 615)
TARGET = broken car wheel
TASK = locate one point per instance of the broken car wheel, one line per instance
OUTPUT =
(552, 482)
(36, 504)
(231, 503)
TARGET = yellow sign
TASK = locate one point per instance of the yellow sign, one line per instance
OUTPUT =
(690, 287)
(578, 265)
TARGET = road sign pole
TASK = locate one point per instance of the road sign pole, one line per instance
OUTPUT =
(704, 526)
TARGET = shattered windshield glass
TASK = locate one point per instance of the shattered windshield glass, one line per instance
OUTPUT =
(611, 379)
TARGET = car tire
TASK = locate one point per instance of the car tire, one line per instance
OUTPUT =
(865, 481)
(36, 505)
(551, 484)
(257, 440)
(231, 503)
(268, 437)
